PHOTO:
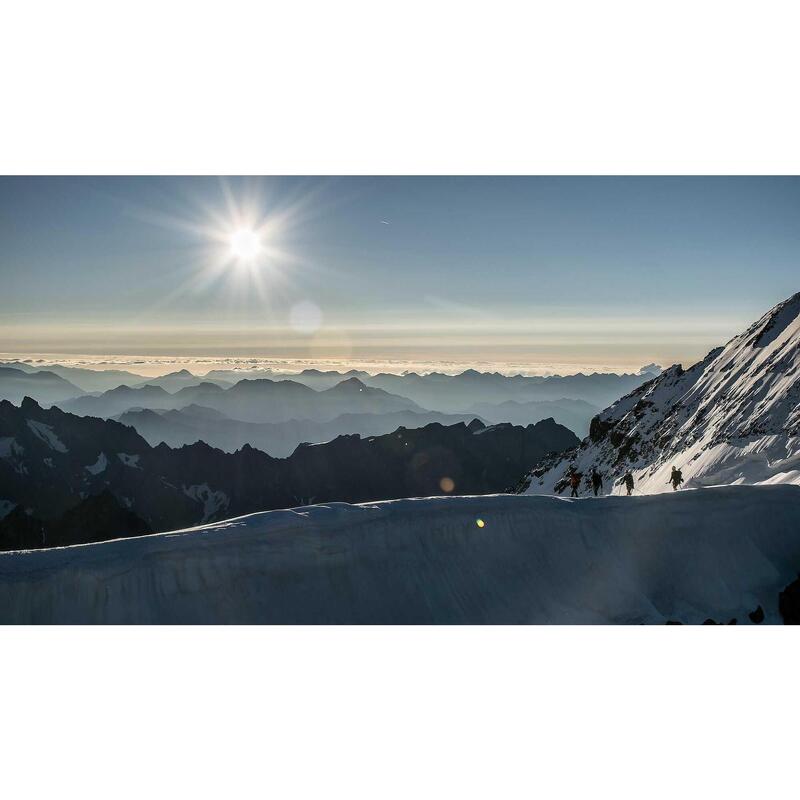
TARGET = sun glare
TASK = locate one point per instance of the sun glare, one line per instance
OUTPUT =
(238, 249)
(245, 245)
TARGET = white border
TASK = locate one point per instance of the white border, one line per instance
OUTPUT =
(398, 712)
(354, 87)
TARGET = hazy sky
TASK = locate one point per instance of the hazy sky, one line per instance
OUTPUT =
(610, 272)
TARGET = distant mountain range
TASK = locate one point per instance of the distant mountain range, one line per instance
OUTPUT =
(87, 380)
(313, 405)
(257, 401)
(196, 423)
(51, 461)
(574, 414)
(181, 379)
(456, 393)
(434, 391)
(45, 385)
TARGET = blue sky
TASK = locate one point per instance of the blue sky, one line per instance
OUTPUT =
(583, 271)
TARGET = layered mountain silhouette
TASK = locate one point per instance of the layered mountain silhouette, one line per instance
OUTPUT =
(456, 393)
(51, 461)
(87, 380)
(574, 414)
(181, 379)
(195, 423)
(15, 384)
(249, 400)
(571, 400)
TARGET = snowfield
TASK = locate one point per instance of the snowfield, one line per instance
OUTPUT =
(717, 552)
(732, 418)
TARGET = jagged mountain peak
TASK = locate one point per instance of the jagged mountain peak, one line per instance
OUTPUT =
(732, 417)
(29, 404)
(784, 318)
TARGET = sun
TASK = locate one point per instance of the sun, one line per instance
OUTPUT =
(245, 244)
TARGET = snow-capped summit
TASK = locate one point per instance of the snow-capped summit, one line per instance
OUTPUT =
(734, 417)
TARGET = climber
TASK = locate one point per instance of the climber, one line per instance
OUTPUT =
(574, 482)
(627, 479)
(597, 481)
(676, 479)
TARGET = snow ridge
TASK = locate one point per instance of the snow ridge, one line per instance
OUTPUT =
(713, 553)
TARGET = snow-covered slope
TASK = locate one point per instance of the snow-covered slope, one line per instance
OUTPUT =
(732, 418)
(717, 553)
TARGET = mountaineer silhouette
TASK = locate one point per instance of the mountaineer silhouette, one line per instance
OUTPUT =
(676, 479)
(597, 481)
(627, 479)
(574, 482)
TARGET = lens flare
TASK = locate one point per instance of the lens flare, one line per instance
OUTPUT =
(239, 246)
(305, 317)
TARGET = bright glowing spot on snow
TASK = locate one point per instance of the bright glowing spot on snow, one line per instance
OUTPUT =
(447, 484)
(480, 523)
(305, 317)
(245, 245)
